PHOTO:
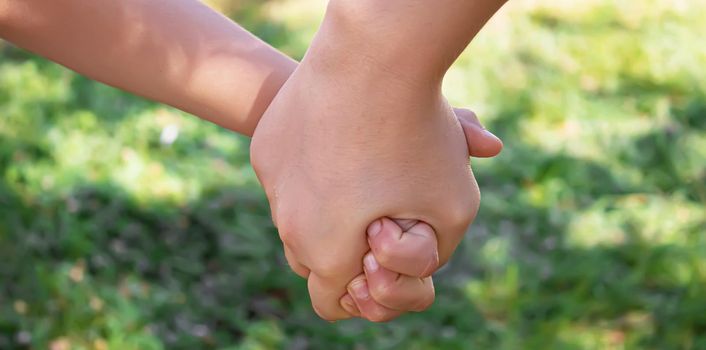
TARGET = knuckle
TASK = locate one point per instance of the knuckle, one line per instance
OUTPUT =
(288, 229)
(423, 305)
(328, 267)
(323, 315)
(286, 234)
(425, 302)
(325, 270)
(300, 271)
(462, 213)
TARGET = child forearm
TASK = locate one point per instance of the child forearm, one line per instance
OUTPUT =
(178, 52)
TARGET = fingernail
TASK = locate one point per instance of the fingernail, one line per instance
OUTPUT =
(374, 228)
(371, 265)
(360, 290)
(349, 305)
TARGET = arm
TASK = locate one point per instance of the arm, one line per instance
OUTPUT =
(178, 52)
(361, 132)
(182, 53)
(414, 40)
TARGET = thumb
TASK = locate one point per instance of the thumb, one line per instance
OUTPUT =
(481, 142)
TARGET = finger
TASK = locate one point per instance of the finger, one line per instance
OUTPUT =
(332, 263)
(395, 291)
(481, 142)
(325, 298)
(348, 304)
(369, 308)
(298, 268)
(412, 252)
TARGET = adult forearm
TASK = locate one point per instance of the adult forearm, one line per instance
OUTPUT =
(417, 40)
(177, 52)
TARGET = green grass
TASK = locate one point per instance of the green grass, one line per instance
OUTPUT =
(591, 234)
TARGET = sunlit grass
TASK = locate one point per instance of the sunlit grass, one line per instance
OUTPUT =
(129, 225)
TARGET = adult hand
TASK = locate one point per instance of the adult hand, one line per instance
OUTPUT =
(337, 152)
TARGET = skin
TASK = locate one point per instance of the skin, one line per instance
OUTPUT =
(178, 52)
(181, 53)
(361, 131)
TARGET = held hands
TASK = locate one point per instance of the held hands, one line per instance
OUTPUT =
(403, 249)
(353, 142)
(336, 153)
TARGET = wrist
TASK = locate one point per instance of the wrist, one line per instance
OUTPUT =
(234, 89)
(370, 37)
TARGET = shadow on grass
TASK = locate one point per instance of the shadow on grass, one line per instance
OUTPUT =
(210, 273)
(201, 275)
(96, 263)
(630, 288)
(203, 271)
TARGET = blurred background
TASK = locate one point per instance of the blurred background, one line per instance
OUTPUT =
(125, 224)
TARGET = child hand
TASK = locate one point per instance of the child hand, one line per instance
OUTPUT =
(403, 253)
(397, 271)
